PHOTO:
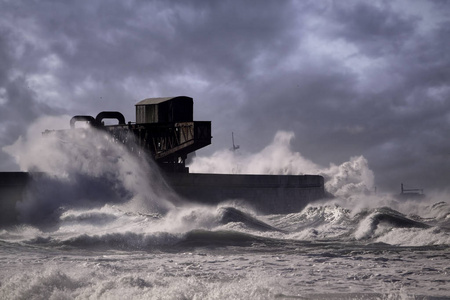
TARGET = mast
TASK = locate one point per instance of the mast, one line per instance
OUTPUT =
(235, 147)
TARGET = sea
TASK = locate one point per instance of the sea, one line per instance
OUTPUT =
(104, 225)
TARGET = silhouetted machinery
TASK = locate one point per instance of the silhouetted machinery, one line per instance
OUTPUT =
(164, 128)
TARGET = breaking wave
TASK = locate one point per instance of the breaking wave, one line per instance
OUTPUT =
(110, 228)
(99, 195)
(84, 168)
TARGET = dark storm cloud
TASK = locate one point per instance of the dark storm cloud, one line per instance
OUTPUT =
(15, 116)
(378, 31)
(397, 115)
(349, 78)
(109, 55)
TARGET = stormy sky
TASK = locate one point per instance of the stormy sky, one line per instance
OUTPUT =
(349, 78)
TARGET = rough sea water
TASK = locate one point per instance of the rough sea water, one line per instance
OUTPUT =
(103, 225)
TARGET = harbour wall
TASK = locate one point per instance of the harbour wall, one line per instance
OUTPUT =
(266, 194)
(12, 190)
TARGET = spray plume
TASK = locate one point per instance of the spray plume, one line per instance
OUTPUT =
(85, 167)
(349, 178)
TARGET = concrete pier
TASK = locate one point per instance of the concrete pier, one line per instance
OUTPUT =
(12, 188)
(267, 194)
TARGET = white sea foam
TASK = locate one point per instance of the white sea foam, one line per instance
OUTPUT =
(414, 237)
(299, 275)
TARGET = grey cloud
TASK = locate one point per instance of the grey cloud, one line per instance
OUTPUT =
(250, 69)
(18, 106)
(379, 31)
(405, 115)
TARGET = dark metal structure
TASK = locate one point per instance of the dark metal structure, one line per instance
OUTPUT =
(164, 128)
(410, 191)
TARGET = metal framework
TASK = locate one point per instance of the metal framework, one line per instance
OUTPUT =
(168, 143)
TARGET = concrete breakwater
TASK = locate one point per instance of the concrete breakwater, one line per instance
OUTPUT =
(12, 190)
(267, 194)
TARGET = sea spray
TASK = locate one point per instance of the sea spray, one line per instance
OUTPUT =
(276, 158)
(349, 178)
(82, 168)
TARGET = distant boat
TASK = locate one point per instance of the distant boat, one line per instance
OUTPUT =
(410, 193)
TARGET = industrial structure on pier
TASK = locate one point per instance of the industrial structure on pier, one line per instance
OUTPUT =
(164, 129)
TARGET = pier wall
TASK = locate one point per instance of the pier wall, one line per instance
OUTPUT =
(12, 188)
(267, 194)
